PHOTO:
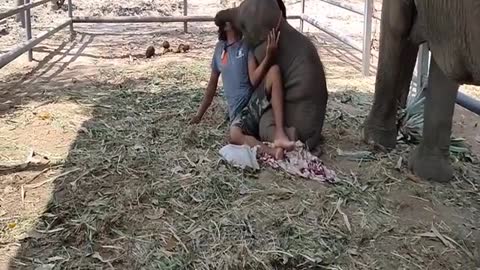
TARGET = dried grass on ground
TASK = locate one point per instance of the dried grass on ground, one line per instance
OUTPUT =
(143, 190)
(130, 185)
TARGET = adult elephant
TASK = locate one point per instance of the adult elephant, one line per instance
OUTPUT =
(451, 28)
(302, 71)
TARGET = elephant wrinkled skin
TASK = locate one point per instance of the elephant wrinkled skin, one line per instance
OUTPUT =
(301, 69)
(451, 29)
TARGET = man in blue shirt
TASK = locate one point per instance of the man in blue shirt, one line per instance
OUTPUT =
(241, 75)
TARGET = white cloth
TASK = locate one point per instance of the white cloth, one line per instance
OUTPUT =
(241, 156)
(298, 162)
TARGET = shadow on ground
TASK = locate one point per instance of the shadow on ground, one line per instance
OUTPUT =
(140, 189)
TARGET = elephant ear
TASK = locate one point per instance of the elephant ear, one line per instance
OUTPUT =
(226, 15)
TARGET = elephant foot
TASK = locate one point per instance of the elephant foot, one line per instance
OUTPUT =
(376, 135)
(430, 165)
(317, 151)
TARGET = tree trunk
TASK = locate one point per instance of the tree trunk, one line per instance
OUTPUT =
(21, 14)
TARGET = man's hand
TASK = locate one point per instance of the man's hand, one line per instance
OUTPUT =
(272, 43)
(195, 120)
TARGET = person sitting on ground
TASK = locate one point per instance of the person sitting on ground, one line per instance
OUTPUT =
(241, 74)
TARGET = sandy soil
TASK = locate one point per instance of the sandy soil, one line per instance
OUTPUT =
(120, 180)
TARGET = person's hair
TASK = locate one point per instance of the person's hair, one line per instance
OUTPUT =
(222, 34)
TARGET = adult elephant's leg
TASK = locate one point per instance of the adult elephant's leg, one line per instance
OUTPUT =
(430, 160)
(395, 69)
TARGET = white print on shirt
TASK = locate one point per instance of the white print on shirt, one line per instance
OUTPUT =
(240, 54)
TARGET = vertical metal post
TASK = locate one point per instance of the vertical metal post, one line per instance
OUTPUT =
(301, 20)
(422, 68)
(70, 15)
(185, 13)
(367, 37)
(20, 15)
(28, 29)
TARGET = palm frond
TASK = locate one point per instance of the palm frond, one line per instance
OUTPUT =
(410, 126)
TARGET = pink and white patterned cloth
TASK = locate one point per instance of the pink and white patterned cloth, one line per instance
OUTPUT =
(301, 162)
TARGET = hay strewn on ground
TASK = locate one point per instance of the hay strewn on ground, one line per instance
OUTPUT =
(130, 185)
(143, 190)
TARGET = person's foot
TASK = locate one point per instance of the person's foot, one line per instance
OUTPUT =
(276, 153)
(282, 141)
(279, 153)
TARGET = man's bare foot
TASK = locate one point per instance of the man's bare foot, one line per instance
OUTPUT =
(276, 153)
(282, 141)
(279, 153)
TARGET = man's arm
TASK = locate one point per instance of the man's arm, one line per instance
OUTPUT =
(208, 98)
(257, 72)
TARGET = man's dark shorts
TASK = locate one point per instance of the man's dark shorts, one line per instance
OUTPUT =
(248, 120)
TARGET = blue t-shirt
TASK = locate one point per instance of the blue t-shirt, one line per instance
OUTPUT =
(234, 70)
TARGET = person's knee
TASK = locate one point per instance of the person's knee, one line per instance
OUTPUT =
(274, 72)
(236, 135)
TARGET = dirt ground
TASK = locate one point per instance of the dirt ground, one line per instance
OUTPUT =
(117, 179)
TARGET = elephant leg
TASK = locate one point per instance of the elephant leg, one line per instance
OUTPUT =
(395, 69)
(430, 160)
(267, 128)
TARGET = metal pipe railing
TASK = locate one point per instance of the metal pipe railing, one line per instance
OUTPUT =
(30, 43)
(28, 29)
(330, 32)
(468, 103)
(27, 45)
(151, 19)
(349, 8)
(368, 16)
(185, 13)
(303, 12)
(70, 15)
(142, 19)
(10, 12)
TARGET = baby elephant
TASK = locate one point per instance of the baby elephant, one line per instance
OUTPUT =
(301, 69)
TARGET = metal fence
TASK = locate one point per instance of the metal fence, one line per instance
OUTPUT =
(365, 49)
(420, 78)
(368, 16)
(30, 43)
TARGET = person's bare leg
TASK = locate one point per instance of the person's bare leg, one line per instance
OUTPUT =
(274, 87)
(237, 137)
